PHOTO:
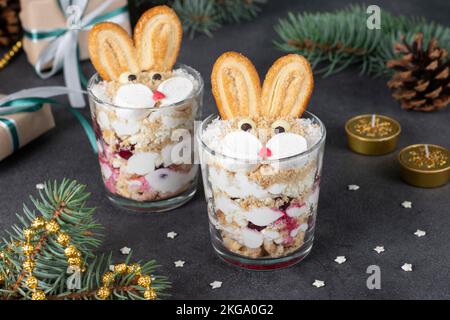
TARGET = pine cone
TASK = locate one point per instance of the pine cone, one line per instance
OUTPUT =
(10, 29)
(422, 78)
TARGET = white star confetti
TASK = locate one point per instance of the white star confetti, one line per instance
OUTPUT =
(179, 263)
(407, 267)
(125, 250)
(318, 283)
(353, 187)
(420, 233)
(216, 284)
(379, 249)
(407, 204)
(40, 186)
(172, 234)
(340, 259)
(111, 267)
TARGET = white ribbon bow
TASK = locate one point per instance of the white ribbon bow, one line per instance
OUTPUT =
(61, 52)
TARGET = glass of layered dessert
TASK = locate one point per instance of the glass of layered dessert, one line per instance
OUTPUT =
(143, 109)
(261, 162)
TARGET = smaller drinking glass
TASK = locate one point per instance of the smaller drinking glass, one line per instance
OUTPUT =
(146, 155)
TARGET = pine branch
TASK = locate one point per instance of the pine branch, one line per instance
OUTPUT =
(332, 41)
(63, 233)
(198, 16)
(126, 288)
(206, 16)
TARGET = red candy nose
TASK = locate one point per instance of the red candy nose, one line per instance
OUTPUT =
(264, 152)
(158, 95)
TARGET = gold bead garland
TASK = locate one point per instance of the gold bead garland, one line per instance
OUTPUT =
(38, 295)
(120, 269)
(38, 223)
(52, 226)
(31, 282)
(150, 294)
(72, 254)
(63, 239)
(103, 293)
(145, 281)
(10, 54)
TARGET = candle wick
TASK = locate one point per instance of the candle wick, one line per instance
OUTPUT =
(427, 151)
(373, 120)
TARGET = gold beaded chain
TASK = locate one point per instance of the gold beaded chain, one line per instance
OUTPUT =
(72, 254)
(10, 54)
(144, 281)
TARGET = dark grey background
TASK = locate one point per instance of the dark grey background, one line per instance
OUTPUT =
(349, 223)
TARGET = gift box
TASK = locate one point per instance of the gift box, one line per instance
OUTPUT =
(43, 20)
(18, 129)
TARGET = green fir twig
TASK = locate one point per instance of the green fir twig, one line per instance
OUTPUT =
(333, 41)
(206, 16)
(66, 203)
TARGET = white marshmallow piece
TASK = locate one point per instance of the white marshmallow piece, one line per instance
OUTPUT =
(103, 120)
(286, 144)
(303, 227)
(142, 163)
(276, 188)
(175, 90)
(226, 205)
(241, 145)
(263, 216)
(251, 238)
(135, 97)
(166, 180)
(125, 127)
(296, 211)
(106, 171)
(270, 234)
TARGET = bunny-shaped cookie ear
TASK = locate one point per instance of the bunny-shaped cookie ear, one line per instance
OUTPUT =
(157, 37)
(111, 50)
(235, 86)
(287, 87)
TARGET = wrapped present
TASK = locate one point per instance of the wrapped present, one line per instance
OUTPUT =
(18, 129)
(56, 31)
(42, 17)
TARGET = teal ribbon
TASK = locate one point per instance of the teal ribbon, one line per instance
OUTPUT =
(62, 50)
(13, 131)
(33, 104)
(39, 35)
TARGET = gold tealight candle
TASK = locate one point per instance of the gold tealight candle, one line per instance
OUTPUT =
(372, 134)
(425, 165)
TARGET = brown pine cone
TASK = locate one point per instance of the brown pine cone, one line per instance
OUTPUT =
(422, 78)
(10, 29)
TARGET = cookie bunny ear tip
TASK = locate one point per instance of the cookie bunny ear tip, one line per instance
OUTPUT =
(115, 58)
(235, 85)
(157, 36)
(287, 87)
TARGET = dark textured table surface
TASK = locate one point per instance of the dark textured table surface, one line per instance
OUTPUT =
(349, 223)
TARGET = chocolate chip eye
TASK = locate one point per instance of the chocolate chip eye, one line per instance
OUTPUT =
(279, 129)
(132, 77)
(157, 77)
(280, 126)
(246, 125)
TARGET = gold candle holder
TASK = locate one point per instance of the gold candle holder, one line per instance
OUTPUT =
(425, 165)
(372, 134)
